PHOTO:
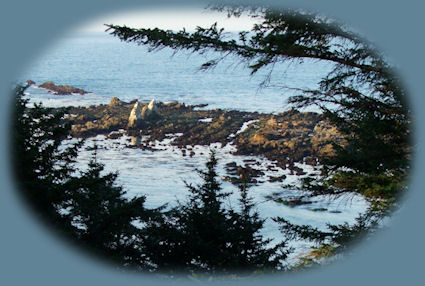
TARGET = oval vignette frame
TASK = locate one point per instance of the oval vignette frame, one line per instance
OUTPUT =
(324, 271)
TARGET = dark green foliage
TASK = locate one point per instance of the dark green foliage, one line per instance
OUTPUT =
(196, 237)
(386, 186)
(338, 238)
(361, 95)
(89, 208)
(251, 247)
(42, 169)
(202, 235)
(103, 218)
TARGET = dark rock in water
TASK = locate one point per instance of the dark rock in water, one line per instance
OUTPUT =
(231, 165)
(200, 105)
(61, 89)
(239, 174)
(115, 135)
(30, 82)
(292, 202)
(299, 171)
(312, 161)
(273, 179)
(319, 209)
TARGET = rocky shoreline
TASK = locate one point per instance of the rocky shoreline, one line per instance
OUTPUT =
(286, 138)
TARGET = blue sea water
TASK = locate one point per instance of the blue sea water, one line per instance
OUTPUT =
(107, 67)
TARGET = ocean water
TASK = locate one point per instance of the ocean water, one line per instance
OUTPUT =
(162, 175)
(106, 67)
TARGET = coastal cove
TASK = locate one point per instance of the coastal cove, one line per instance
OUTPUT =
(159, 155)
(210, 152)
(251, 129)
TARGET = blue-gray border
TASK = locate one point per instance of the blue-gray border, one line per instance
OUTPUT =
(30, 255)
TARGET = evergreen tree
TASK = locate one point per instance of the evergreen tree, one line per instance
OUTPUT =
(362, 96)
(41, 167)
(203, 236)
(89, 208)
(253, 252)
(337, 239)
(104, 219)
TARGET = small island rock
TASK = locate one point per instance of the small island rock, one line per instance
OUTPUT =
(61, 89)
(30, 82)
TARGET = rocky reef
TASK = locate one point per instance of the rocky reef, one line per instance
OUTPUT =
(285, 138)
(289, 137)
(59, 89)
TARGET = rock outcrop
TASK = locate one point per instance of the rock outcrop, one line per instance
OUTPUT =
(115, 101)
(325, 133)
(286, 138)
(150, 111)
(30, 82)
(289, 137)
(61, 89)
(135, 115)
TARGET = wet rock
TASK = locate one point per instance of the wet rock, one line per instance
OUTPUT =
(319, 209)
(240, 174)
(292, 202)
(115, 135)
(289, 134)
(272, 122)
(202, 105)
(283, 138)
(61, 89)
(273, 179)
(299, 171)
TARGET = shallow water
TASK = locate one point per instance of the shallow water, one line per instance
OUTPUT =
(161, 176)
